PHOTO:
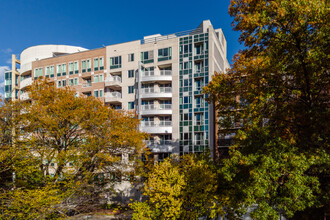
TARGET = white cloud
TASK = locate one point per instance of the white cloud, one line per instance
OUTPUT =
(7, 50)
(8, 61)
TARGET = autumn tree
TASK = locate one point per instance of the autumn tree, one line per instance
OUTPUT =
(75, 143)
(182, 188)
(280, 159)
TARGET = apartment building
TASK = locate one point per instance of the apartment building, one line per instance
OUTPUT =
(160, 77)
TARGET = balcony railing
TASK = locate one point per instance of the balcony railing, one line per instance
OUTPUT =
(88, 84)
(159, 124)
(112, 95)
(113, 79)
(157, 73)
(157, 107)
(154, 90)
(26, 82)
(159, 142)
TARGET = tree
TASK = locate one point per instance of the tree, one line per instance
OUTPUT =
(280, 160)
(180, 189)
(70, 147)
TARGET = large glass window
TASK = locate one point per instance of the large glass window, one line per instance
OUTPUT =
(59, 70)
(51, 71)
(130, 105)
(96, 78)
(130, 89)
(75, 81)
(131, 57)
(96, 64)
(101, 63)
(70, 82)
(101, 78)
(115, 62)
(76, 67)
(83, 66)
(47, 71)
(63, 69)
(147, 56)
(130, 73)
(70, 68)
(96, 93)
(40, 72)
(89, 68)
(164, 54)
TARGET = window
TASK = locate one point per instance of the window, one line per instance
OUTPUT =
(199, 49)
(51, 71)
(64, 82)
(130, 89)
(198, 84)
(40, 72)
(63, 69)
(130, 57)
(70, 82)
(96, 93)
(101, 64)
(75, 81)
(96, 78)
(147, 56)
(101, 93)
(101, 78)
(47, 71)
(70, 68)
(96, 64)
(199, 102)
(83, 66)
(76, 67)
(89, 65)
(59, 83)
(59, 70)
(164, 54)
(35, 73)
(130, 105)
(198, 118)
(115, 62)
(130, 73)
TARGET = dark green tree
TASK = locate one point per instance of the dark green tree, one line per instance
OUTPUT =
(278, 89)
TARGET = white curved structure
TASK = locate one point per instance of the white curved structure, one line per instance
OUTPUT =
(39, 52)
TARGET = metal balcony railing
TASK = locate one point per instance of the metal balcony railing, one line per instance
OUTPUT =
(158, 90)
(153, 124)
(157, 107)
(113, 79)
(112, 95)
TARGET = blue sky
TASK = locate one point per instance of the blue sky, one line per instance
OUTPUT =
(91, 24)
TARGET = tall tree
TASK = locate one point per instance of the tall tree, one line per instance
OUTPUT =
(72, 146)
(180, 189)
(280, 160)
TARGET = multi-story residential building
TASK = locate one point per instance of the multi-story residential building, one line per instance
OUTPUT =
(160, 77)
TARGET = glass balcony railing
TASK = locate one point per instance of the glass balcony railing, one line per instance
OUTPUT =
(153, 124)
(112, 95)
(156, 107)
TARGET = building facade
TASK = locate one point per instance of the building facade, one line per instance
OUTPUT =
(160, 77)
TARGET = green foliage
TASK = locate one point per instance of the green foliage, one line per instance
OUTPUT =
(278, 89)
(180, 189)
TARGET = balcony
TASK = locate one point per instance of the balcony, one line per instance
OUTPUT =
(113, 81)
(161, 92)
(161, 109)
(26, 82)
(162, 127)
(152, 76)
(113, 97)
(160, 146)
